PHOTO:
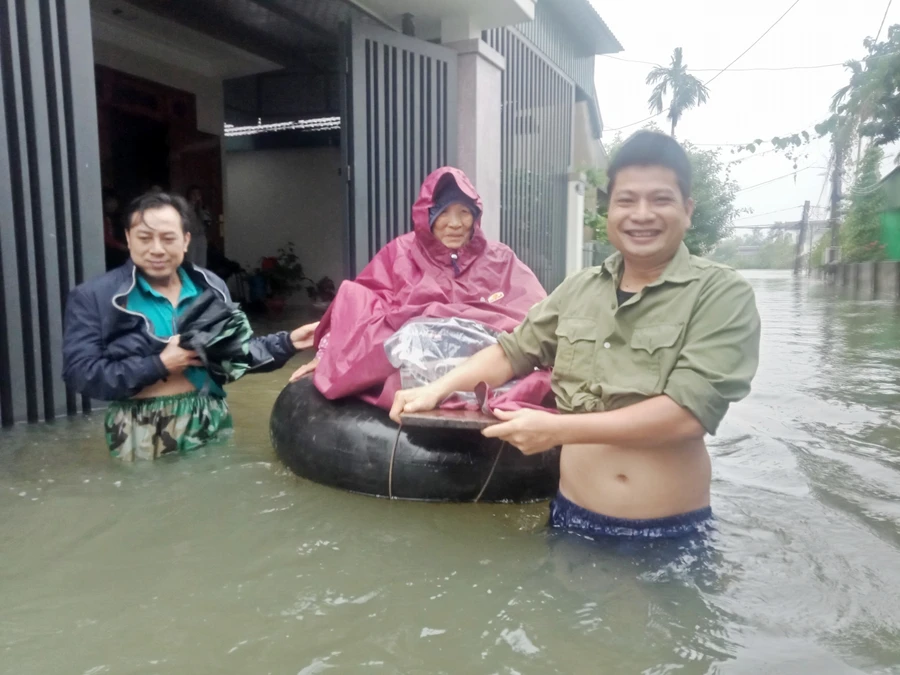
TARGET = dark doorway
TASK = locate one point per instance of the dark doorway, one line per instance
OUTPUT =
(140, 154)
(148, 136)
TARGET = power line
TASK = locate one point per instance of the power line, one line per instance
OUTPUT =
(872, 188)
(646, 119)
(777, 21)
(752, 155)
(733, 70)
(772, 226)
(772, 180)
(806, 127)
(720, 145)
(769, 213)
(886, 10)
(728, 67)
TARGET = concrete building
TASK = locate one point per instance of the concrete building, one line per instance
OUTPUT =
(311, 121)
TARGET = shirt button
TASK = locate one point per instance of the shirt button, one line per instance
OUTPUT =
(606, 345)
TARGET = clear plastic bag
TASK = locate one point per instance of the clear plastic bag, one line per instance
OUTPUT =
(426, 349)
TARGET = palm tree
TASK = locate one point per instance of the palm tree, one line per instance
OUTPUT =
(687, 91)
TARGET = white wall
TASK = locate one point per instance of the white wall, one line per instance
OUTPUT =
(276, 196)
(208, 91)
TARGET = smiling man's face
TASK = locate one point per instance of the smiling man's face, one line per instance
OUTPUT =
(648, 216)
(158, 242)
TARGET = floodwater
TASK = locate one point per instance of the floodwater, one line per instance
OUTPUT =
(223, 562)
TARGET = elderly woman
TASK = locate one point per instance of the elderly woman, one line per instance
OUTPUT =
(445, 268)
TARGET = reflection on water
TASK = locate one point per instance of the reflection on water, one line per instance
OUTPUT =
(223, 562)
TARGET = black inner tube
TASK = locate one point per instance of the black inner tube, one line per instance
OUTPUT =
(347, 444)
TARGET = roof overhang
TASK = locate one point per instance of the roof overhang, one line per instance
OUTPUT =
(588, 151)
(136, 30)
(893, 173)
(428, 14)
(591, 31)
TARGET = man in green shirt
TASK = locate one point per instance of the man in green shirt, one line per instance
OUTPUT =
(648, 350)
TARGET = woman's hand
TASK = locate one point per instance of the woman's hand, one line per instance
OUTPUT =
(531, 431)
(305, 369)
(420, 399)
(303, 337)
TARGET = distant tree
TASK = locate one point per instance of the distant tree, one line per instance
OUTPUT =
(687, 91)
(861, 230)
(773, 252)
(714, 193)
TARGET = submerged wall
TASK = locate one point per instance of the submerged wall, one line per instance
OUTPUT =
(869, 279)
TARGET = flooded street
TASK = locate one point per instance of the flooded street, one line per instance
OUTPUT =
(224, 562)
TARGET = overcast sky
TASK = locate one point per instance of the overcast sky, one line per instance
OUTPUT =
(743, 106)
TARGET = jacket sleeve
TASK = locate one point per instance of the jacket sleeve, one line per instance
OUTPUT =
(270, 352)
(87, 369)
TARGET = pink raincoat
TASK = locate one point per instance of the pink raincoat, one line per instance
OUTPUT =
(415, 276)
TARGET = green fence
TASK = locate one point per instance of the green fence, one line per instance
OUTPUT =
(890, 234)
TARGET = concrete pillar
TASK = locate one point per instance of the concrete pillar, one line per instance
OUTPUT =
(479, 74)
(865, 279)
(887, 279)
(575, 223)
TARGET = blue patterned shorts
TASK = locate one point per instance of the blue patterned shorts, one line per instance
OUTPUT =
(566, 515)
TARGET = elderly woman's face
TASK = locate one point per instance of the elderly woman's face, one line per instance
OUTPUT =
(454, 226)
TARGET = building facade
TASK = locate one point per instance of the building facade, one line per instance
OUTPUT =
(303, 121)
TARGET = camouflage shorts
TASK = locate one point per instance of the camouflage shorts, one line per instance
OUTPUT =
(152, 427)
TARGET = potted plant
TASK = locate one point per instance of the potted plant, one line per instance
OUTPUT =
(283, 274)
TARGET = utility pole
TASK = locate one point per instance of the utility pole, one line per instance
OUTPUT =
(801, 239)
(834, 222)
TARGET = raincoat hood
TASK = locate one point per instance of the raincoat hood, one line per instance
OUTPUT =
(430, 244)
(415, 276)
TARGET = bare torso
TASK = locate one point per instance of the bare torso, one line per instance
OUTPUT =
(177, 383)
(636, 483)
(171, 386)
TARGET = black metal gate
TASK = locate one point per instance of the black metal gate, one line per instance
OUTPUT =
(50, 211)
(538, 104)
(399, 113)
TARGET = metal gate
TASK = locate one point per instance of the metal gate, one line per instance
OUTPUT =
(50, 211)
(399, 112)
(538, 104)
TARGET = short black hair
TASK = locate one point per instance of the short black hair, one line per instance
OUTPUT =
(652, 148)
(157, 200)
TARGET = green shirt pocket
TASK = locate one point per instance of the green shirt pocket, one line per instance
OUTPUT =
(657, 336)
(654, 352)
(576, 344)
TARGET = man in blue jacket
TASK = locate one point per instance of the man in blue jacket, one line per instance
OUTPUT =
(120, 343)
